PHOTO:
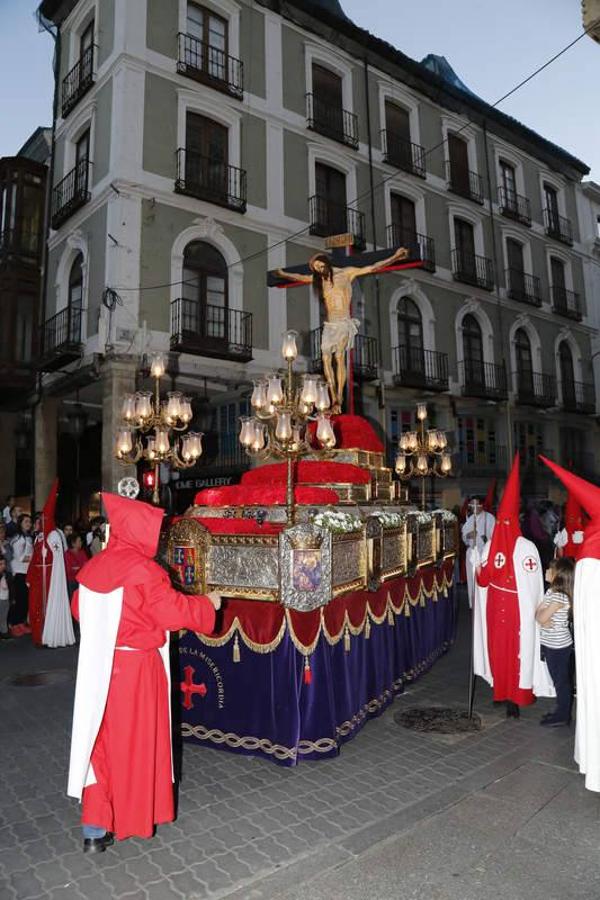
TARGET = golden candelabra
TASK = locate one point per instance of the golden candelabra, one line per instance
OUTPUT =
(423, 452)
(283, 408)
(149, 426)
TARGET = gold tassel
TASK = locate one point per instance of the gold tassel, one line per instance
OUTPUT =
(434, 596)
(407, 609)
(422, 598)
(347, 640)
(236, 649)
(390, 616)
(367, 629)
(445, 591)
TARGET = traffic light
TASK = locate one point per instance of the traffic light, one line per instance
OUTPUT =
(148, 480)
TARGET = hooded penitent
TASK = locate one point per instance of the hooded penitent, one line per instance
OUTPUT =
(39, 573)
(588, 495)
(506, 532)
(488, 503)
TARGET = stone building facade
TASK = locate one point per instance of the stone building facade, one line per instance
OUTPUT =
(200, 144)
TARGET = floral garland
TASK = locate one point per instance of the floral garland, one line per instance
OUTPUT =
(423, 518)
(389, 519)
(446, 515)
(337, 522)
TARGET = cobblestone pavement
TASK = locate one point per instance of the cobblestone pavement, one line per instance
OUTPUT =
(398, 814)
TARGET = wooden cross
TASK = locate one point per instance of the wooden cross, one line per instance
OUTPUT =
(188, 688)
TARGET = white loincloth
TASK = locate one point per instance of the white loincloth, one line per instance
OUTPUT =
(339, 335)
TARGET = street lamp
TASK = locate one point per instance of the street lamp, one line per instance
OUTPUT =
(148, 426)
(283, 407)
(423, 452)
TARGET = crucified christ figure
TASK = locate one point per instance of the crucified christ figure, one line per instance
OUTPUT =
(334, 286)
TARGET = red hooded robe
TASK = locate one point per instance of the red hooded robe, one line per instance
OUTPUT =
(502, 610)
(131, 757)
(39, 572)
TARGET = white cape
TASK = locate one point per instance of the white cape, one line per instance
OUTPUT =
(485, 523)
(58, 624)
(533, 672)
(99, 618)
(586, 622)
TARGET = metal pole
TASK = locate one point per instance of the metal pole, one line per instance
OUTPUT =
(471, 699)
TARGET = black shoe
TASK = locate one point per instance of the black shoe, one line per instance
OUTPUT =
(512, 710)
(554, 722)
(98, 845)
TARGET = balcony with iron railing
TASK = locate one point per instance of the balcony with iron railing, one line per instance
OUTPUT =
(536, 389)
(578, 396)
(464, 182)
(420, 246)
(566, 303)
(202, 329)
(523, 287)
(77, 81)
(210, 66)
(473, 269)
(558, 227)
(331, 120)
(486, 381)
(327, 218)
(61, 339)
(403, 154)
(210, 179)
(71, 193)
(365, 355)
(425, 369)
(514, 206)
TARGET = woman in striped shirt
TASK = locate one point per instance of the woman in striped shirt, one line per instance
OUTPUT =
(553, 614)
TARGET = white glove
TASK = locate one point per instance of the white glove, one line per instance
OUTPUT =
(578, 537)
(561, 538)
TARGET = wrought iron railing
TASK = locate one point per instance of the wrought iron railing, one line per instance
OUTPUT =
(420, 246)
(536, 388)
(327, 218)
(365, 355)
(514, 206)
(331, 120)
(481, 379)
(415, 367)
(523, 287)
(210, 179)
(61, 338)
(472, 269)
(71, 193)
(403, 154)
(210, 65)
(558, 227)
(578, 396)
(464, 182)
(78, 81)
(206, 330)
(566, 303)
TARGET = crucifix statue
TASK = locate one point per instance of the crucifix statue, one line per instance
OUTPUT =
(333, 282)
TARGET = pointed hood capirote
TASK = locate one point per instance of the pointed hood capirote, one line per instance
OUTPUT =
(588, 495)
(506, 531)
(133, 542)
(49, 510)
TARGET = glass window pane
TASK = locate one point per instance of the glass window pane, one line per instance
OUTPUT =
(195, 21)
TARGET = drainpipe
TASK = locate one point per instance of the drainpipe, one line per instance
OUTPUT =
(381, 402)
(505, 349)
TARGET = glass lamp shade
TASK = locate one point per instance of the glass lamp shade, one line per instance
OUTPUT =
(128, 408)
(325, 435)
(446, 464)
(259, 395)
(422, 464)
(150, 451)
(161, 444)
(283, 429)
(258, 441)
(186, 450)
(403, 443)
(297, 435)
(195, 442)
(274, 390)
(247, 431)
(432, 439)
(158, 365)
(412, 441)
(421, 411)
(117, 448)
(442, 440)
(174, 399)
(400, 463)
(143, 404)
(185, 410)
(323, 399)
(289, 348)
(124, 441)
(309, 390)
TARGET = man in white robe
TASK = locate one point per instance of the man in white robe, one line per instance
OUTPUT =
(476, 533)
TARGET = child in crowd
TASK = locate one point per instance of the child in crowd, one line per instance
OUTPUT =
(75, 559)
(5, 597)
(553, 614)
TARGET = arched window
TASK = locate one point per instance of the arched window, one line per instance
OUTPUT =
(472, 350)
(524, 362)
(567, 374)
(75, 299)
(204, 291)
(410, 336)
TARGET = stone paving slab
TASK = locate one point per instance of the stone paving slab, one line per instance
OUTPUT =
(249, 829)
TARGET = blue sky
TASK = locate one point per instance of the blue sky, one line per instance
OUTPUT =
(491, 45)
